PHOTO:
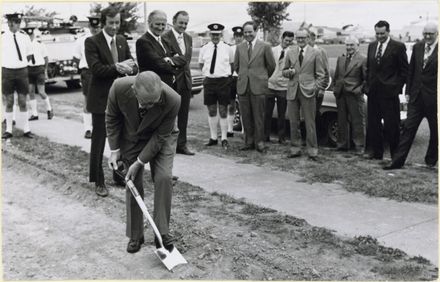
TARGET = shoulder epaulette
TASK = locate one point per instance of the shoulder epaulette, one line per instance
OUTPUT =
(204, 44)
(22, 31)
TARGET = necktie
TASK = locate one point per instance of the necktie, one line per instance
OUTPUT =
(114, 51)
(33, 60)
(426, 56)
(301, 56)
(282, 55)
(347, 61)
(379, 54)
(214, 57)
(18, 48)
(250, 50)
(160, 43)
(181, 44)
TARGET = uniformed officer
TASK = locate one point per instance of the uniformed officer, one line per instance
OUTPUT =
(16, 54)
(238, 38)
(215, 59)
(37, 70)
(86, 74)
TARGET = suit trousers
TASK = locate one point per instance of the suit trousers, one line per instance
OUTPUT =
(386, 109)
(96, 173)
(280, 97)
(351, 111)
(182, 117)
(161, 167)
(423, 106)
(252, 109)
(308, 107)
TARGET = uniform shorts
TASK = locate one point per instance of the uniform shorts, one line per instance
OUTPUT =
(36, 75)
(15, 80)
(86, 77)
(234, 88)
(216, 90)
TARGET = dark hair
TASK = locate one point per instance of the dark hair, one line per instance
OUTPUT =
(380, 24)
(287, 34)
(183, 13)
(110, 11)
(252, 23)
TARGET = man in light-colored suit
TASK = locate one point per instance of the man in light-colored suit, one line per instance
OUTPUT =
(305, 70)
(140, 120)
(350, 75)
(254, 64)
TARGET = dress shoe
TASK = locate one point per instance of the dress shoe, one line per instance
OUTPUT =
(211, 142)
(372, 157)
(262, 149)
(392, 166)
(101, 190)
(341, 149)
(7, 135)
(167, 242)
(33, 117)
(247, 148)
(88, 134)
(230, 134)
(50, 114)
(430, 165)
(28, 134)
(294, 154)
(135, 245)
(282, 141)
(225, 144)
(237, 127)
(313, 158)
(184, 151)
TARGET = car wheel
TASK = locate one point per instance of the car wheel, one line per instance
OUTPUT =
(73, 84)
(330, 130)
(237, 120)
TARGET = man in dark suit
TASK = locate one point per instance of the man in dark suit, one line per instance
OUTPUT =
(108, 57)
(421, 88)
(254, 63)
(387, 68)
(153, 53)
(350, 75)
(140, 119)
(179, 42)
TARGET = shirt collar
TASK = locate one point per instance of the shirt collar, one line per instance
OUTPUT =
(176, 34)
(253, 42)
(152, 34)
(386, 42)
(108, 38)
(433, 44)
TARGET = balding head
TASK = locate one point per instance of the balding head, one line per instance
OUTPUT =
(430, 33)
(157, 21)
(147, 88)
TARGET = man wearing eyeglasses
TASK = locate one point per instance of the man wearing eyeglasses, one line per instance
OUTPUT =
(140, 120)
(421, 91)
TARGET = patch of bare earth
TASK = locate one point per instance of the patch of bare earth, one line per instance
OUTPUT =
(55, 227)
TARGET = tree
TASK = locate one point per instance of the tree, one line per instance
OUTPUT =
(269, 16)
(31, 11)
(128, 14)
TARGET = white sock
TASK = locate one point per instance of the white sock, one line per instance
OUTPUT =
(87, 121)
(14, 111)
(23, 117)
(48, 105)
(213, 121)
(33, 104)
(224, 128)
(9, 119)
(230, 123)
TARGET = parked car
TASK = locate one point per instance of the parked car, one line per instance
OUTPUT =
(197, 81)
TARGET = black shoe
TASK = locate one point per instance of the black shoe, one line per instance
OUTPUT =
(313, 158)
(341, 149)
(230, 134)
(262, 149)
(294, 154)
(392, 166)
(33, 117)
(50, 114)
(167, 242)
(282, 141)
(7, 135)
(247, 148)
(237, 127)
(101, 190)
(184, 151)
(28, 135)
(225, 144)
(88, 134)
(211, 142)
(373, 157)
(135, 245)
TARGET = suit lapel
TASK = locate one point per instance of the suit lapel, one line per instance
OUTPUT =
(128, 104)
(104, 47)
(157, 45)
(172, 40)
(432, 57)
(352, 62)
(149, 118)
(307, 57)
(388, 50)
(255, 50)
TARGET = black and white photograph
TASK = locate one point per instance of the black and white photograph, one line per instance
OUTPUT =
(233, 140)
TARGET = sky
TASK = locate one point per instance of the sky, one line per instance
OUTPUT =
(333, 14)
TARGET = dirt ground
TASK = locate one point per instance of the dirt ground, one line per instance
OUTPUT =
(56, 228)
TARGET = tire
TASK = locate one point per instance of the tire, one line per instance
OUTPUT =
(237, 120)
(330, 130)
(73, 84)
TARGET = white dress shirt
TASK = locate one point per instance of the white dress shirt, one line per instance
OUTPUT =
(79, 51)
(158, 39)
(10, 57)
(384, 46)
(180, 41)
(223, 60)
(40, 52)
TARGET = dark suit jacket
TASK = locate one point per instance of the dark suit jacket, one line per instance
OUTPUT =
(352, 79)
(125, 129)
(183, 74)
(100, 61)
(422, 80)
(256, 70)
(389, 77)
(150, 56)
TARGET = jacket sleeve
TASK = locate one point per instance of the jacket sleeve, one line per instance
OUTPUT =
(319, 72)
(402, 65)
(237, 59)
(411, 70)
(162, 133)
(149, 59)
(179, 60)
(97, 67)
(269, 59)
(129, 56)
(113, 118)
